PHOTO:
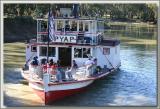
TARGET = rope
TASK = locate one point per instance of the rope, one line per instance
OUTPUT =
(30, 58)
(107, 58)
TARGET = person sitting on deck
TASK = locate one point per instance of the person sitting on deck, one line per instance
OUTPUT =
(56, 70)
(58, 74)
(52, 67)
(35, 61)
(51, 62)
(44, 65)
(58, 63)
(72, 70)
(88, 65)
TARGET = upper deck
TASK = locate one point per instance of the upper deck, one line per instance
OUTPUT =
(71, 30)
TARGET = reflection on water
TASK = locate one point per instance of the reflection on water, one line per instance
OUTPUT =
(132, 30)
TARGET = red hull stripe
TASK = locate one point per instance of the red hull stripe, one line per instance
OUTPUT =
(50, 97)
(57, 95)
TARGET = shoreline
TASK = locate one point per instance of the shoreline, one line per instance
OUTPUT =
(140, 24)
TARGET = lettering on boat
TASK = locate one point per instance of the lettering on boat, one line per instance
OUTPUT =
(65, 38)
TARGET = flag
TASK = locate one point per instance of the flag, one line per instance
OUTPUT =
(51, 26)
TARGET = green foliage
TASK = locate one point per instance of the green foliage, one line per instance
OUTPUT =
(144, 12)
(20, 28)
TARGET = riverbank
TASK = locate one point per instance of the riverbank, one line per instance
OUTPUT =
(135, 41)
(139, 24)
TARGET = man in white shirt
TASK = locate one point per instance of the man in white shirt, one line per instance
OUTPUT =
(88, 65)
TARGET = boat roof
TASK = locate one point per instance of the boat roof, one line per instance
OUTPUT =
(105, 42)
(72, 18)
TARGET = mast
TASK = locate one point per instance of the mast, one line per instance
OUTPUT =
(48, 35)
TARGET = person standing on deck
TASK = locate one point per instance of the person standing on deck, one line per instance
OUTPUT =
(88, 65)
(72, 70)
(94, 71)
(35, 64)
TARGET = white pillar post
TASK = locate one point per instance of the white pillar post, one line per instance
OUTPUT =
(46, 80)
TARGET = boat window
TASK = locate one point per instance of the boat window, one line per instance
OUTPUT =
(92, 26)
(43, 26)
(43, 38)
(33, 49)
(59, 25)
(100, 26)
(51, 51)
(82, 52)
(67, 25)
(80, 26)
(86, 52)
(86, 26)
(74, 26)
(78, 52)
(106, 51)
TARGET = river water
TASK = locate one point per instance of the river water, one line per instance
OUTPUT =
(134, 84)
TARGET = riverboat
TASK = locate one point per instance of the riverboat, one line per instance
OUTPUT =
(64, 39)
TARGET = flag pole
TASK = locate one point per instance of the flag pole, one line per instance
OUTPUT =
(46, 76)
(48, 34)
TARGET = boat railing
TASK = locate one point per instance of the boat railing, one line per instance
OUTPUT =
(57, 74)
(53, 71)
(81, 37)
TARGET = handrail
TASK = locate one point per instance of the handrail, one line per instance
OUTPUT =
(67, 32)
(49, 66)
(46, 64)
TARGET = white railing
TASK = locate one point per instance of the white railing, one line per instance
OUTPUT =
(49, 74)
(82, 38)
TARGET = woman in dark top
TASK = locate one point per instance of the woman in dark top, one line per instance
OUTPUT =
(74, 65)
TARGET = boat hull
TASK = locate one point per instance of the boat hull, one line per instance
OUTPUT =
(56, 91)
(51, 96)
(59, 91)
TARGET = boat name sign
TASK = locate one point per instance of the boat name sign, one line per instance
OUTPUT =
(65, 38)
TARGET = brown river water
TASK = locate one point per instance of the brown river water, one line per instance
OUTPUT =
(17, 93)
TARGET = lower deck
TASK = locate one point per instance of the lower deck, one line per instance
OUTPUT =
(78, 76)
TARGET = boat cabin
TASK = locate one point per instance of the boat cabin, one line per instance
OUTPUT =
(74, 39)
(68, 39)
